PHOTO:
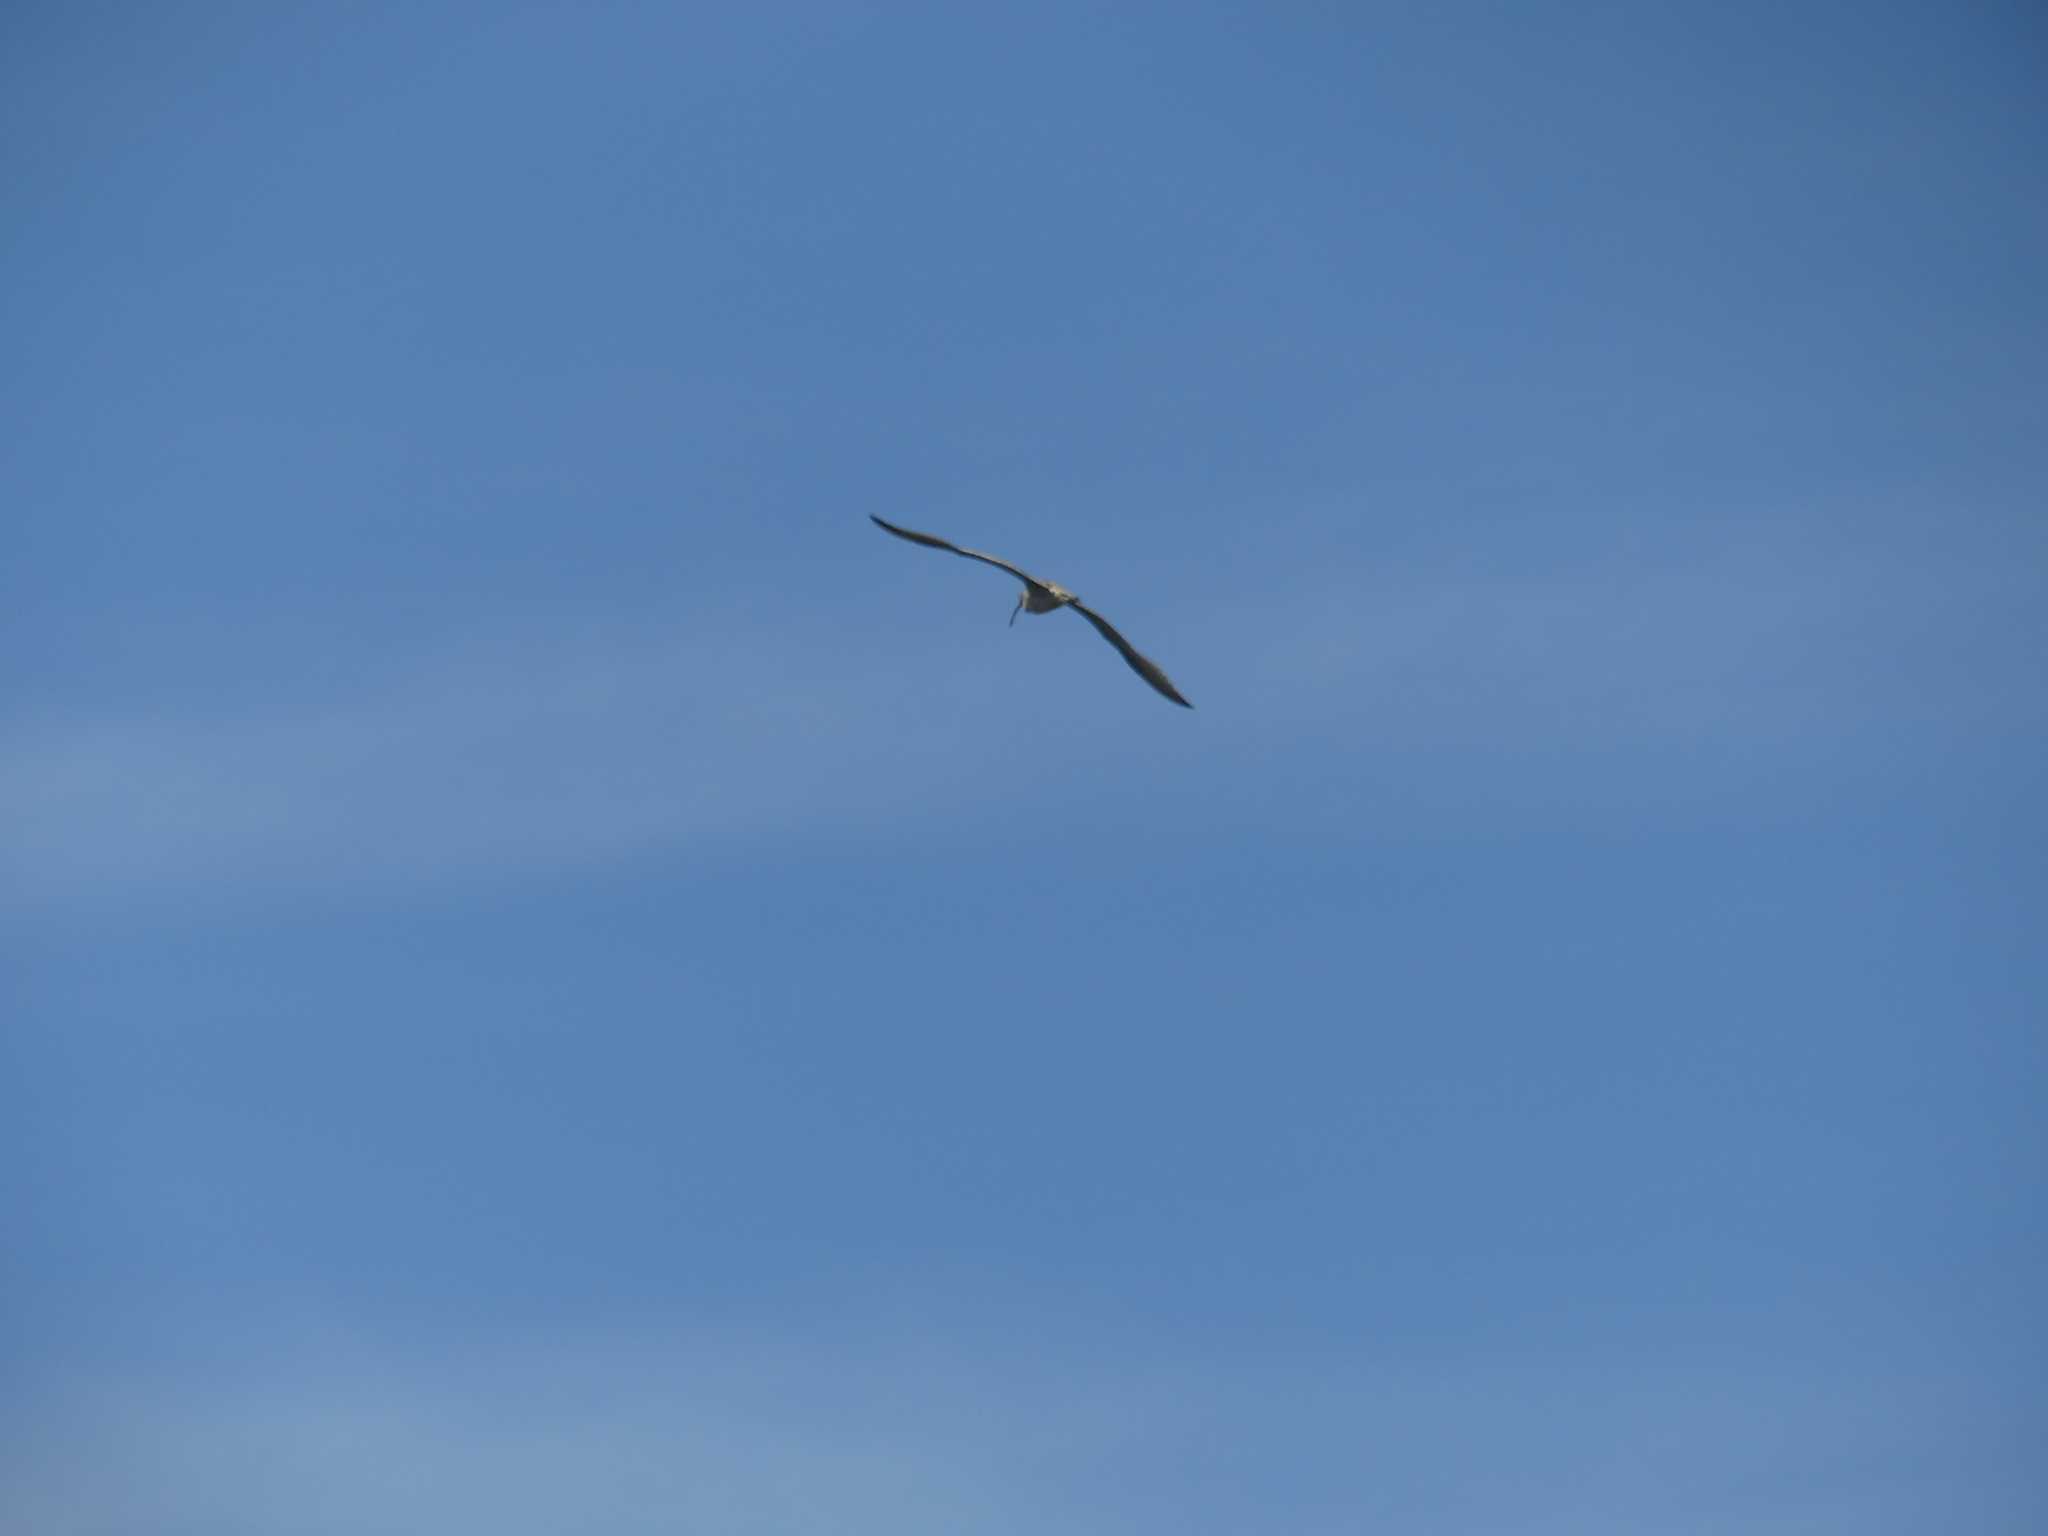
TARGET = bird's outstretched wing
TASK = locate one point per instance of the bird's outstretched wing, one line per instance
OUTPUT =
(933, 541)
(1144, 666)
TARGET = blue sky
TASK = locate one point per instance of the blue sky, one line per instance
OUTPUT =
(558, 979)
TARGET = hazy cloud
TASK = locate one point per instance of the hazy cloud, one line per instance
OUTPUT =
(674, 1430)
(519, 749)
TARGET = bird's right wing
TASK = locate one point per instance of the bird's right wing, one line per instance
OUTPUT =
(933, 541)
(1144, 666)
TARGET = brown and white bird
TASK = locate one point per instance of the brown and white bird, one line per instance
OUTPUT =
(1045, 596)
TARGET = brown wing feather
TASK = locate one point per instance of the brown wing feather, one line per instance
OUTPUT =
(1144, 666)
(933, 541)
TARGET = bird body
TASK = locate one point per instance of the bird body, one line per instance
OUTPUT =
(1044, 597)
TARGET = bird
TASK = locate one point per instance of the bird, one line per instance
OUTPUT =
(1044, 597)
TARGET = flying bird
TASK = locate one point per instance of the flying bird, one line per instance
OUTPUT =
(1043, 597)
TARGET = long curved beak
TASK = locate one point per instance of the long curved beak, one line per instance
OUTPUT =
(1016, 610)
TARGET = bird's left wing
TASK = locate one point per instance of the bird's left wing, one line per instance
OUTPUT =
(1144, 666)
(933, 541)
